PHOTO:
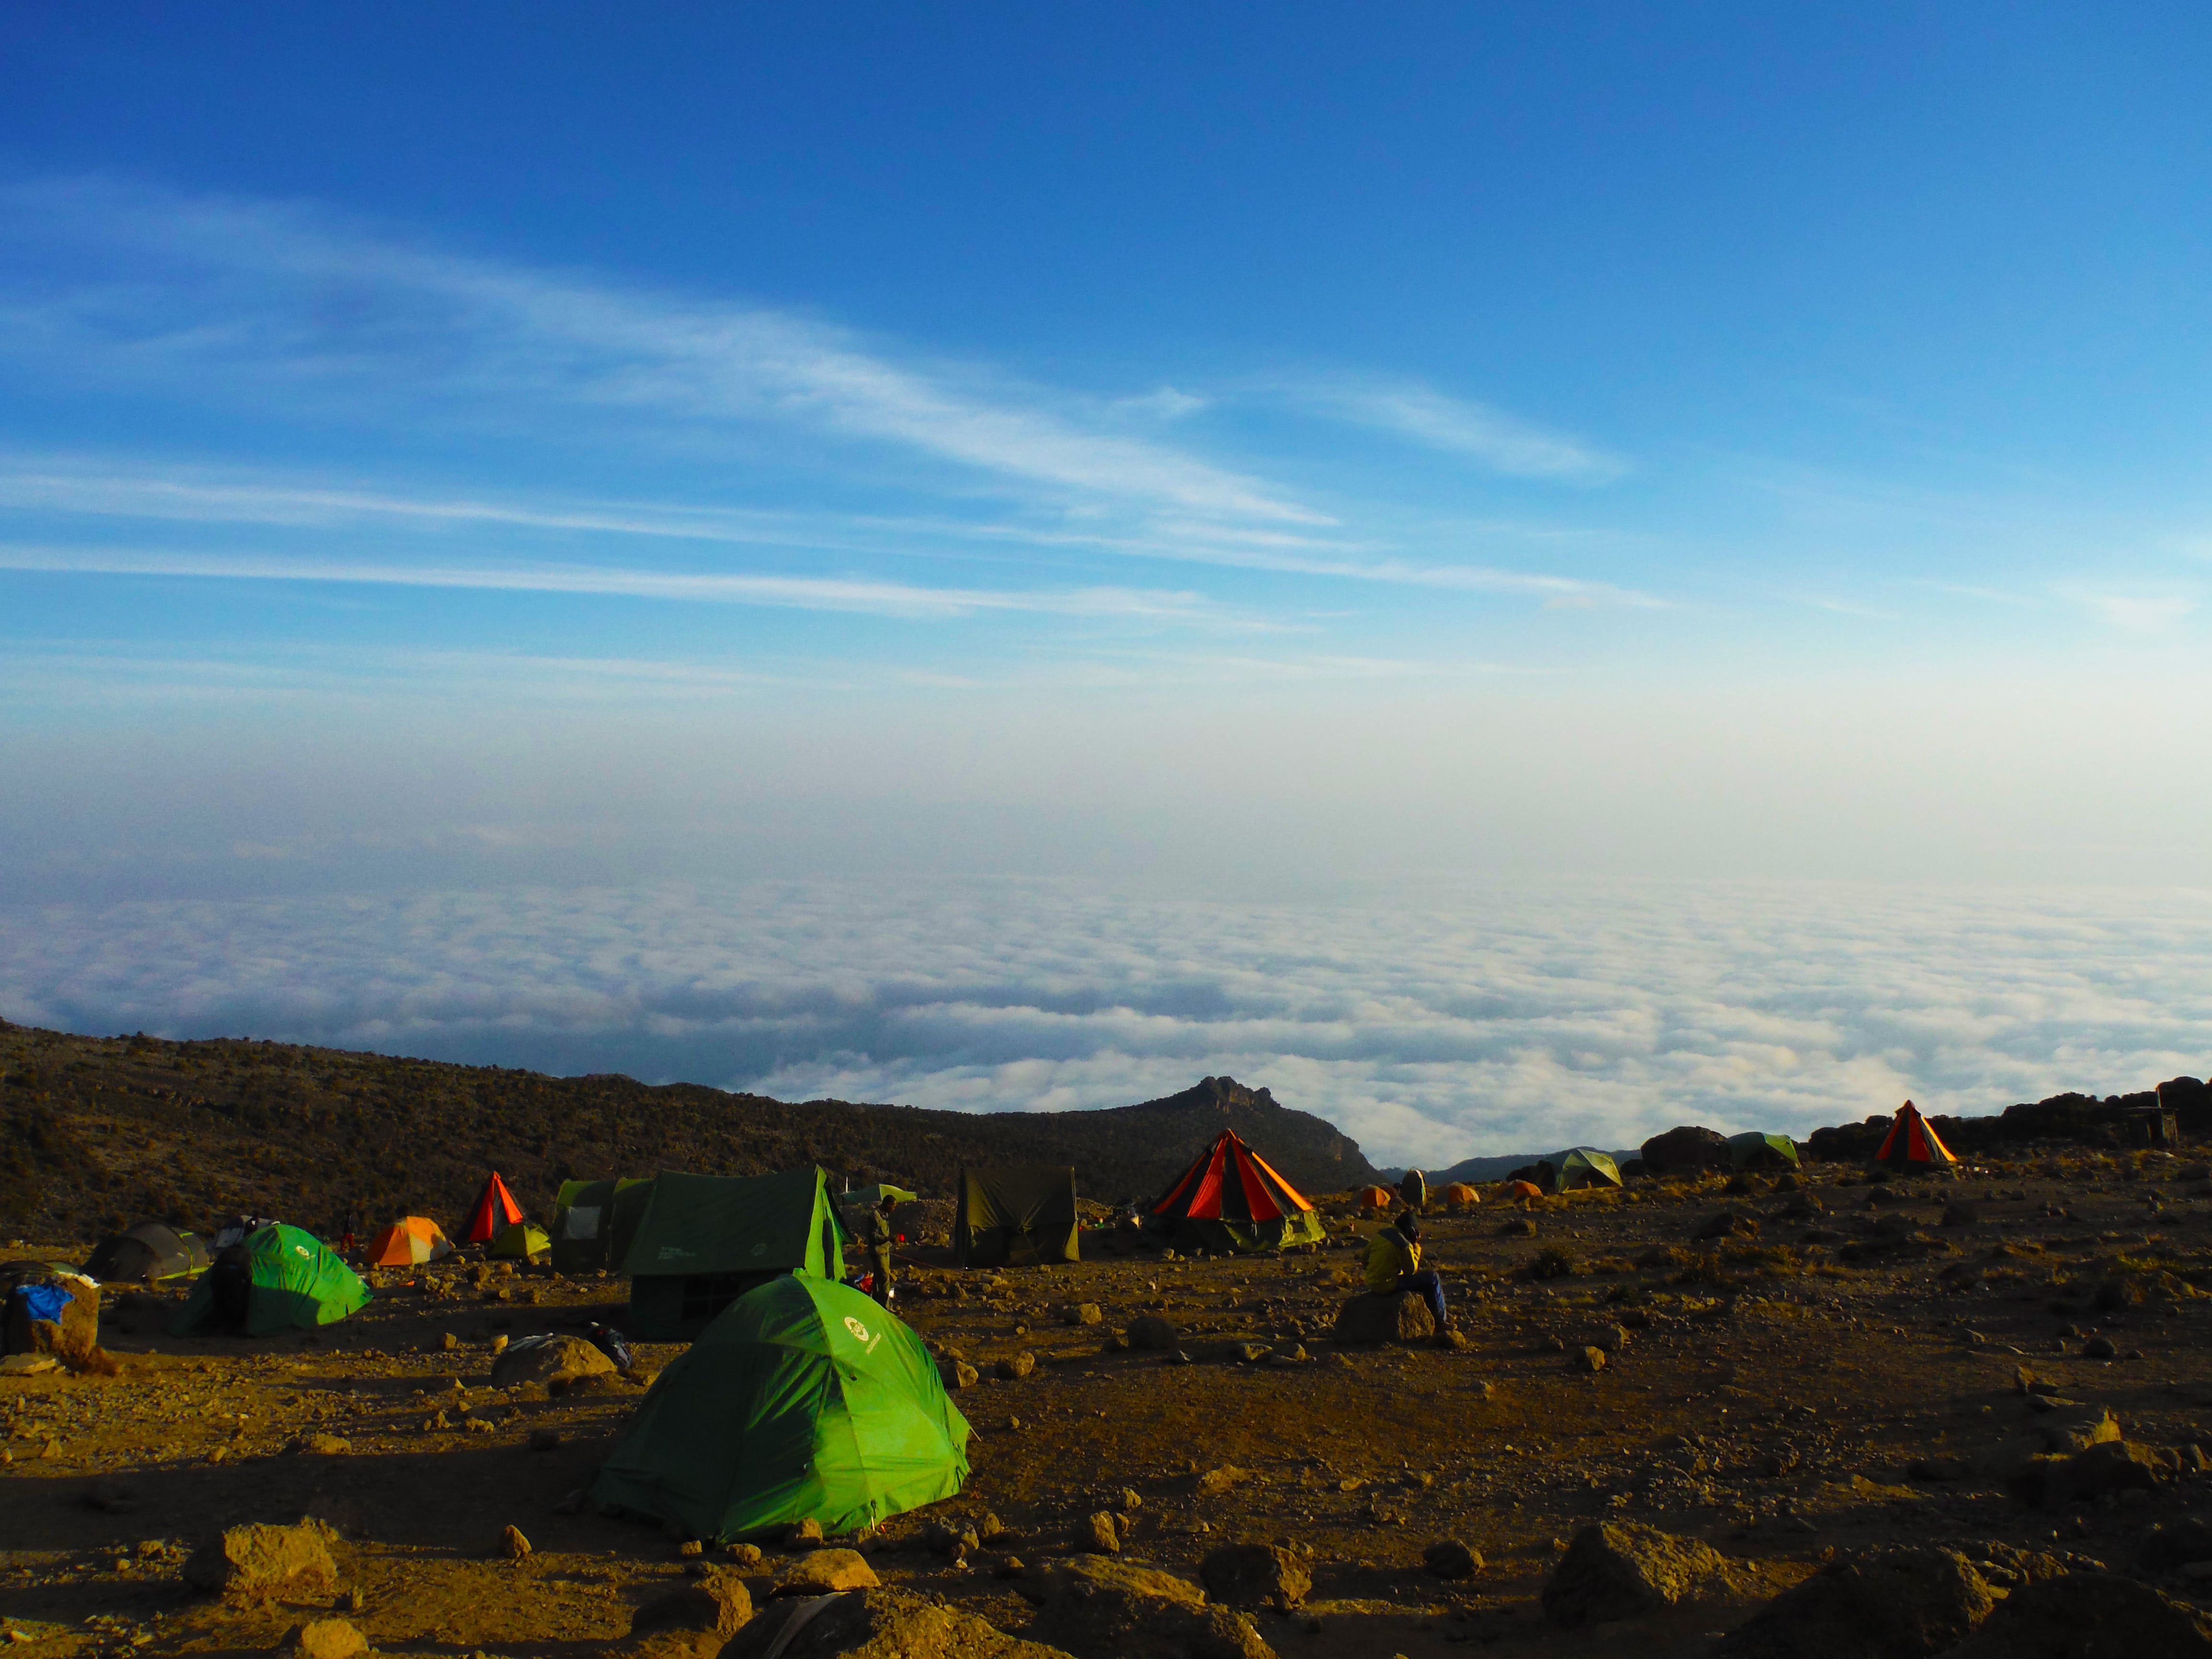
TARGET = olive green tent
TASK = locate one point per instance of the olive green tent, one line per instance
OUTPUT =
(704, 1241)
(519, 1240)
(593, 1222)
(1583, 1166)
(867, 1198)
(804, 1401)
(297, 1284)
(1759, 1151)
(1016, 1216)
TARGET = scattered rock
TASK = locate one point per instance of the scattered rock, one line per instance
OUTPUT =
(2077, 1430)
(1097, 1534)
(1619, 1569)
(2088, 1613)
(1014, 1367)
(449, 1342)
(824, 1572)
(1447, 1558)
(1902, 1603)
(719, 1604)
(2100, 1347)
(1728, 1224)
(1385, 1319)
(549, 1360)
(1613, 1338)
(1081, 1313)
(2113, 1467)
(325, 1638)
(322, 1445)
(1099, 1608)
(258, 1560)
(959, 1374)
(1216, 1481)
(1591, 1359)
(876, 1623)
(1521, 1227)
(745, 1555)
(803, 1534)
(1149, 1331)
(513, 1545)
(1256, 1575)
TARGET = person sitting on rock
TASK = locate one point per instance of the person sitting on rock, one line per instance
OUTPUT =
(1393, 1267)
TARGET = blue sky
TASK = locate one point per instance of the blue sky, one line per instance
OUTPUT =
(1219, 452)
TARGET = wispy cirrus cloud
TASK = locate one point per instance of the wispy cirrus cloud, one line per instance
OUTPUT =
(1495, 440)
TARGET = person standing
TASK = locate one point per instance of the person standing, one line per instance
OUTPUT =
(877, 1239)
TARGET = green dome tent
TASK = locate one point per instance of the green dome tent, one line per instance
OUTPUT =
(803, 1400)
(1584, 1166)
(520, 1240)
(1757, 1150)
(297, 1284)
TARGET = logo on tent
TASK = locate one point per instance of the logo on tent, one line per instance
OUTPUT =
(859, 1331)
(299, 1249)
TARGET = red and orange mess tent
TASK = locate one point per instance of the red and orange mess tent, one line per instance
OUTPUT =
(408, 1243)
(1913, 1146)
(494, 1208)
(1229, 1199)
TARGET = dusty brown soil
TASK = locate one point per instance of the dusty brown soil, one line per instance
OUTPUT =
(1771, 1403)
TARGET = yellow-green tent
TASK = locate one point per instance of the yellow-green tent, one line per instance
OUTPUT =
(519, 1239)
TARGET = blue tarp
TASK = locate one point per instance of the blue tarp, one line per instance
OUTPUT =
(44, 1301)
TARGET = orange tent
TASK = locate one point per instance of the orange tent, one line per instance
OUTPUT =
(1458, 1195)
(494, 1208)
(1524, 1189)
(1913, 1144)
(1376, 1198)
(408, 1242)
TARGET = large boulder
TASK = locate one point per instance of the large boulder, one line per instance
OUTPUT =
(1254, 1575)
(57, 1313)
(2088, 1615)
(257, 1559)
(1367, 1318)
(1098, 1608)
(323, 1638)
(823, 1572)
(876, 1623)
(1902, 1603)
(2112, 1466)
(1151, 1331)
(718, 1605)
(1619, 1568)
(1686, 1149)
(549, 1360)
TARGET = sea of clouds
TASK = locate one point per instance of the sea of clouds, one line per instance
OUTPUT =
(1430, 1023)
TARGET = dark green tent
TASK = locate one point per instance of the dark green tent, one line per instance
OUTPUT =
(593, 1222)
(1016, 1216)
(1584, 1166)
(297, 1284)
(1758, 1151)
(704, 1241)
(804, 1401)
(146, 1253)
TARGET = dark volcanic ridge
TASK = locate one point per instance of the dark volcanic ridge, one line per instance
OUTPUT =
(97, 1132)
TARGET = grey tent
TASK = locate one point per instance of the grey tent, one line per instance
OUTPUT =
(1759, 1151)
(1016, 1216)
(704, 1241)
(593, 1222)
(146, 1253)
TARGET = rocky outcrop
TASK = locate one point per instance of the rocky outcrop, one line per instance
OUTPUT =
(1256, 1576)
(549, 1360)
(1385, 1319)
(1100, 1609)
(2089, 1612)
(1685, 1150)
(265, 1560)
(876, 1623)
(1619, 1568)
(1876, 1604)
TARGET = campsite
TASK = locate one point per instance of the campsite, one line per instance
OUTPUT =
(1993, 1369)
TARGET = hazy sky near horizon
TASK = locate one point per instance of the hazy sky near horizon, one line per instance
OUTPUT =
(1201, 456)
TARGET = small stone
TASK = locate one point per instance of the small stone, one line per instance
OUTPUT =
(716, 1604)
(1099, 1535)
(1131, 1500)
(804, 1534)
(1256, 1575)
(1014, 1367)
(1151, 1332)
(513, 1545)
(449, 1342)
(1591, 1359)
(744, 1555)
(499, 1345)
(691, 1546)
(1216, 1481)
(1253, 1353)
(325, 1638)
(1448, 1558)
(823, 1572)
(1082, 1313)
(962, 1374)
(2098, 1347)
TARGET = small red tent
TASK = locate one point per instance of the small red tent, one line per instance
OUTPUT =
(1231, 1198)
(494, 1208)
(1912, 1144)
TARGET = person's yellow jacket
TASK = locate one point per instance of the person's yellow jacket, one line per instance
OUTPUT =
(1390, 1256)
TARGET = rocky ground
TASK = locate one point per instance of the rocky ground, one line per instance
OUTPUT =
(1783, 1377)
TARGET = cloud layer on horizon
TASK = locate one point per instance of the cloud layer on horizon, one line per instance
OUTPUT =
(1429, 1025)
